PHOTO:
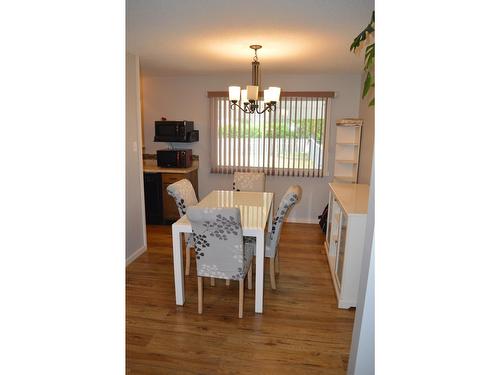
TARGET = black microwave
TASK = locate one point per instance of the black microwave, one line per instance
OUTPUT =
(174, 158)
(175, 131)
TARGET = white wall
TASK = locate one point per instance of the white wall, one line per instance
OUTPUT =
(362, 356)
(367, 136)
(135, 217)
(185, 98)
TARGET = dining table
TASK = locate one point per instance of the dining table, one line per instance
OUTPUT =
(256, 210)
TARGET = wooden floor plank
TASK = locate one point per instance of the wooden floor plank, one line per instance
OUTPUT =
(301, 331)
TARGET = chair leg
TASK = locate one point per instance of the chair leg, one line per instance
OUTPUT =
(242, 289)
(188, 259)
(271, 273)
(250, 276)
(212, 281)
(277, 264)
(227, 282)
(200, 295)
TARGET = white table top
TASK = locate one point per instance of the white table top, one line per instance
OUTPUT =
(254, 208)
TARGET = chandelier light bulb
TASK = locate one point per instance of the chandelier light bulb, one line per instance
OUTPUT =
(253, 92)
(274, 94)
(234, 93)
(244, 97)
(267, 96)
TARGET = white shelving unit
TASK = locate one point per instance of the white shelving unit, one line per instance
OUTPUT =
(348, 142)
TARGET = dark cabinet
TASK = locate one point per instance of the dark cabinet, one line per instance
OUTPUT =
(161, 207)
(153, 198)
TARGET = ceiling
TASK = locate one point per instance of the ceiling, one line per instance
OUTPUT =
(181, 37)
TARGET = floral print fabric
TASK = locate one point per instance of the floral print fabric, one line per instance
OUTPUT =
(291, 197)
(247, 181)
(218, 242)
(184, 195)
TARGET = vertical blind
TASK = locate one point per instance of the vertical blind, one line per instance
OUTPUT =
(290, 141)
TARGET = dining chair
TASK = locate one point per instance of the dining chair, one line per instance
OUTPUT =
(272, 238)
(249, 181)
(220, 250)
(184, 195)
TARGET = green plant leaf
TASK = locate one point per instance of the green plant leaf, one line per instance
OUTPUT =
(370, 49)
(354, 45)
(368, 84)
(369, 56)
(356, 42)
(369, 59)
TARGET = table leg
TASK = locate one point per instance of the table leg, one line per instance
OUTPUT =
(178, 266)
(259, 273)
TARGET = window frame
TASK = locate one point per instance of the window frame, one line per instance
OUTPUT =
(218, 97)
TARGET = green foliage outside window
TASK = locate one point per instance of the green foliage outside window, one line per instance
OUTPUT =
(305, 128)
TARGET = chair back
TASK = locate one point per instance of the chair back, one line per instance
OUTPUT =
(184, 195)
(291, 197)
(218, 241)
(249, 181)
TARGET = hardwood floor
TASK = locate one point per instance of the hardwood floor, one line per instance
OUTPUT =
(301, 331)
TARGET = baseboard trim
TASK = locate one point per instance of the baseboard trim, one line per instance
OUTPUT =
(136, 254)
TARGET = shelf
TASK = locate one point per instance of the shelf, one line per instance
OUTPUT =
(348, 143)
(349, 122)
(349, 125)
(346, 161)
(346, 178)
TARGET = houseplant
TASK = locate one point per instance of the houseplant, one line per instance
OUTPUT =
(359, 42)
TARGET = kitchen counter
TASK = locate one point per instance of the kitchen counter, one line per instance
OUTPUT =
(149, 166)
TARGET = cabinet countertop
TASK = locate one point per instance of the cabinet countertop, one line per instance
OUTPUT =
(352, 197)
(149, 166)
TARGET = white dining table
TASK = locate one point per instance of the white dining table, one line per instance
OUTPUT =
(256, 213)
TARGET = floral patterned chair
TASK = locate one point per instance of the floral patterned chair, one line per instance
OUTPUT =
(184, 195)
(249, 181)
(291, 197)
(220, 250)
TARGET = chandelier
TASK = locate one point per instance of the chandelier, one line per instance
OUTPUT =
(249, 98)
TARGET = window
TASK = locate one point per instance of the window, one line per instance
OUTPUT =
(287, 142)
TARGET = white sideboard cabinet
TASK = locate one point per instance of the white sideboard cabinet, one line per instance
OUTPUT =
(345, 237)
